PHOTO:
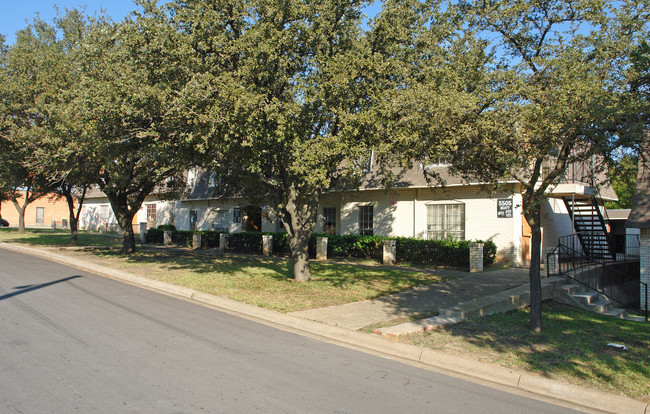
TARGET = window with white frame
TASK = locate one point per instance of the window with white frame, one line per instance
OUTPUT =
(40, 214)
(366, 220)
(446, 221)
(151, 212)
(365, 162)
(103, 212)
(194, 216)
(221, 222)
(329, 220)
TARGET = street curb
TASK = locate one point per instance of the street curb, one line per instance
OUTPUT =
(573, 394)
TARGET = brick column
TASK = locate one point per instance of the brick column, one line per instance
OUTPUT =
(552, 261)
(223, 241)
(196, 241)
(143, 232)
(167, 238)
(267, 244)
(475, 257)
(645, 264)
(390, 252)
(321, 248)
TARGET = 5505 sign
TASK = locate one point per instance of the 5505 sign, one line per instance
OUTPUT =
(504, 208)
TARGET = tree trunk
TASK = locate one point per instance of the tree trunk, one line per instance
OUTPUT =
(21, 216)
(74, 219)
(128, 238)
(533, 218)
(300, 255)
(299, 220)
(21, 220)
(124, 216)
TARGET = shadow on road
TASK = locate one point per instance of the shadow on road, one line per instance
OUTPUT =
(29, 288)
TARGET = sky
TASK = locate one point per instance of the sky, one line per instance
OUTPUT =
(15, 13)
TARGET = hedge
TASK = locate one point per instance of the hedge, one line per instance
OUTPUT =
(441, 252)
(183, 238)
(433, 252)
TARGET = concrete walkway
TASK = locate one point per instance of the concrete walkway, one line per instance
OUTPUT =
(424, 300)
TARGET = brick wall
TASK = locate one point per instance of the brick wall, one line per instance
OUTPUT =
(645, 261)
(52, 208)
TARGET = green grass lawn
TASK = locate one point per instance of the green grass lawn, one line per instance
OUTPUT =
(262, 281)
(267, 281)
(571, 347)
(49, 237)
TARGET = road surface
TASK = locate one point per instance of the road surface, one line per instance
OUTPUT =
(71, 341)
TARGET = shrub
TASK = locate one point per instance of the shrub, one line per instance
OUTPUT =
(155, 236)
(435, 252)
(183, 238)
(246, 242)
(351, 245)
(441, 252)
(489, 252)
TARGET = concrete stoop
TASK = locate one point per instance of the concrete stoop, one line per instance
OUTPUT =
(498, 303)
(587, 299)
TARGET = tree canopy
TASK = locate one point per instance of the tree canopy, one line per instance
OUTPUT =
(554, 94)
(284, 89)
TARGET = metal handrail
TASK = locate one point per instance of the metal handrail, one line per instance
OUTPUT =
(581, 263)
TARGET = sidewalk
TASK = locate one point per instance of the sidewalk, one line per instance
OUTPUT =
(424, 300)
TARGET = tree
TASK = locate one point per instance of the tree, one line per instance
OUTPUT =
(57, 155)
(555, 97)
(622, 173)
(126, 111)
(26, 86)
(280, 93)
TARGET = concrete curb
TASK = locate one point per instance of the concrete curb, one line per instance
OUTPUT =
(572, 394)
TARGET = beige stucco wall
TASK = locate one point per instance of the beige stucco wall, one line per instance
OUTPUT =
(403, 213)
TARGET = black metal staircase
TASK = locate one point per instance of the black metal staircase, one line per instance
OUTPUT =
(591, 228)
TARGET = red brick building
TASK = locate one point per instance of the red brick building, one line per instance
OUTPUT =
(40, 213)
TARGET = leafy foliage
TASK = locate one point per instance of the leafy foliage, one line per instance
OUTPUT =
(622, 174)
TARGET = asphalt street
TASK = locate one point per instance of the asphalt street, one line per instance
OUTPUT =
(72, 341)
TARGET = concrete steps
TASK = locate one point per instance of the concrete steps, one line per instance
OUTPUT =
(498, 303)
(587, 299)
(557, 288)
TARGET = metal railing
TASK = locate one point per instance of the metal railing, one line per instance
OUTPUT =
(628, 250)
(600, 276)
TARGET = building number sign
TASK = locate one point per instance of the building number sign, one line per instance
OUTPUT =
(504, 208)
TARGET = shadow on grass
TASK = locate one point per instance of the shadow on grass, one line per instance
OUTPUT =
(339, 276)
(57, 237)
(572, 344)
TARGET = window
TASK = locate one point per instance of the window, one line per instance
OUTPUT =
(193, 219)
(329, 220)
(437, 162)
(236, 216)
(365, 162)
(40, 214)
(365, 221)
(151, 212)
(213, 180)
(446, 221)
(103, 212)
(220, 222)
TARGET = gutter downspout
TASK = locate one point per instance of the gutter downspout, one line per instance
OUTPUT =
(414, 204)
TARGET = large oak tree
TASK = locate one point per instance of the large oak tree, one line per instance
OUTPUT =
(126, 111)
(280, 96)
(557, 97)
